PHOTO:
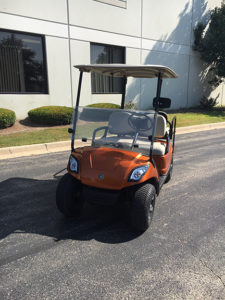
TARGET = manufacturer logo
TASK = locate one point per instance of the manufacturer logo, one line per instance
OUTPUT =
(101, 176)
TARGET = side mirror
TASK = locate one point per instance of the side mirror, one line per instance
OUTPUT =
(162, 102)
(70, 130)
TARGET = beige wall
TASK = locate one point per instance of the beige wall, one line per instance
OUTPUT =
(52, 10)
(168, 21)
(153, 32)
(100, 16)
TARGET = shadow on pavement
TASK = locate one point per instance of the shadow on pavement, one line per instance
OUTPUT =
(28, 206)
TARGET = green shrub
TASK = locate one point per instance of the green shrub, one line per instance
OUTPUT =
(130, 105)
(207, 103)
(51, 115)
(7, 118)
(104, 105)
(92, 113)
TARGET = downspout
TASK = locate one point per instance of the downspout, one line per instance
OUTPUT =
(69, 44)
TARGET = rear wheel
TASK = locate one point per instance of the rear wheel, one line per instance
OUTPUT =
(142, 206)
(68, 196)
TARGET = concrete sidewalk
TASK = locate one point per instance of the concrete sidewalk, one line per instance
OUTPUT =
(36, 149)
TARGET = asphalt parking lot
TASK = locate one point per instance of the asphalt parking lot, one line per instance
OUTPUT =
(181, 256)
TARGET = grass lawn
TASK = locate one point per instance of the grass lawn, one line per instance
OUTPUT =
(46, 135)
(184, 118)
(197, 117)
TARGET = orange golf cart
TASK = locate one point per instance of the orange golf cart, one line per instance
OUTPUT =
(121, 155)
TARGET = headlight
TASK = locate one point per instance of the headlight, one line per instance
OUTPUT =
(137, 173)
(73, 164)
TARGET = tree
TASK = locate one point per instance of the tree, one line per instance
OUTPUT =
(210, 42)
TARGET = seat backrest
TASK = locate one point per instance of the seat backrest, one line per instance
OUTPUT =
(160, 130)
(160, 126)
(164, 114)
(118, 123)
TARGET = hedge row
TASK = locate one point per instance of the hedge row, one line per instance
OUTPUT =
(62, 115)
(104, 105)
(100, 115)
(51, 115)
(7, 118)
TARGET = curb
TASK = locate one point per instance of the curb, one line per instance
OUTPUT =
(202, 127)
(37, 149)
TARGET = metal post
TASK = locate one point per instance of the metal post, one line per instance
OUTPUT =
(76, 111)
(158, 92)
(124, 93)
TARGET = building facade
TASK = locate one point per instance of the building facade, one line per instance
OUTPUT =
(41, 41)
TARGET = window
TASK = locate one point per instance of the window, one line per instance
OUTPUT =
(22, 63)
(119, 3)
(104, 54)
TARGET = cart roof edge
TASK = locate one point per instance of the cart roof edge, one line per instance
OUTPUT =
(124, 70)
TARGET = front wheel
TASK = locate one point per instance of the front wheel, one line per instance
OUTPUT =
(68, 196)
(142, 206)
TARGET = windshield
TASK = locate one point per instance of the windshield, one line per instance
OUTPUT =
(114, 128)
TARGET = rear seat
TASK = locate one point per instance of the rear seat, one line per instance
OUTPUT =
(121, 132)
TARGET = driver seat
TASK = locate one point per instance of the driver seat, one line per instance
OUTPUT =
(159, 148)
(121, 132)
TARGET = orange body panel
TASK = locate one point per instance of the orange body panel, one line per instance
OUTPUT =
(109, 168)
(163, 162)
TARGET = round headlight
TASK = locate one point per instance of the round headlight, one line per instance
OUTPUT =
(73, 164)
(137, 173)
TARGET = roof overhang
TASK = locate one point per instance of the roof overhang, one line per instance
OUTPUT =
(122, 70)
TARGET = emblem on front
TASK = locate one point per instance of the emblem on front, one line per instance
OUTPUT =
(101, 176)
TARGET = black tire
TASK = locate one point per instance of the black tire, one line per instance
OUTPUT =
(142, 206)
(169, 176)
(68, 196)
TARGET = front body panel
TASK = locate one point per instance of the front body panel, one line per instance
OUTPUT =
(108, 168)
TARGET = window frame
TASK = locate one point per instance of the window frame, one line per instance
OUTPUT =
(44, 50)
(124, 59)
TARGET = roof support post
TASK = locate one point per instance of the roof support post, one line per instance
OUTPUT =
(75, 116)
(158, 93)
(124, 92)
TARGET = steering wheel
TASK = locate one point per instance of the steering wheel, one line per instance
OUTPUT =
(140, 122)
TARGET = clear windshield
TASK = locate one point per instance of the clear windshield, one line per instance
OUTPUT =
(114, 128)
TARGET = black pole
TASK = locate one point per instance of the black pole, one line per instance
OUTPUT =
(158, 93)
(174, 124)
(124, 92)
(76, 110)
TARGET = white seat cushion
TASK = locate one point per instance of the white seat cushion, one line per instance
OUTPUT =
(126, 142)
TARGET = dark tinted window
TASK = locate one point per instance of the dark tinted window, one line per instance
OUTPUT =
(22, 63)
(104, 54)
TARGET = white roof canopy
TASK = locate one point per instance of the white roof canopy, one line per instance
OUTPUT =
(122, 70)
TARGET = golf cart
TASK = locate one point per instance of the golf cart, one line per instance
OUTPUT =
(121, 155)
